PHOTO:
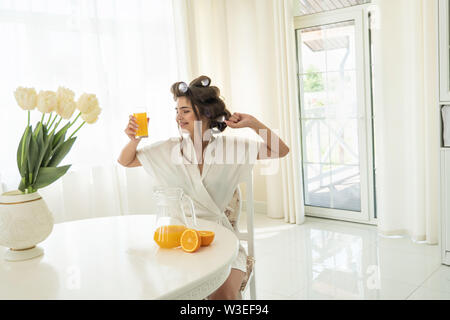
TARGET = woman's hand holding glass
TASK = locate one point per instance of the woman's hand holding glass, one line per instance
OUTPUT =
(132, 129)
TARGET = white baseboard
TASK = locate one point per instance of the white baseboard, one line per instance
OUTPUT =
(446, 258)
(259, 206)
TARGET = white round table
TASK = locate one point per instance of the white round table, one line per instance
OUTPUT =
(116, 258)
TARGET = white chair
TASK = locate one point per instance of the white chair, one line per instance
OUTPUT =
(233, 212)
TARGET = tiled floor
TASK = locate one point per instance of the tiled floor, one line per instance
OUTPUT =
(329, 259)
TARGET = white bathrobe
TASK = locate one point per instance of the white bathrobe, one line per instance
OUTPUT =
(227, 159)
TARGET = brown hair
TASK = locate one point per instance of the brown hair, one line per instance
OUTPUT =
(205, 100)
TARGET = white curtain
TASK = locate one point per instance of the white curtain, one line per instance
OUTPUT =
(124, 51)
(405, 88)
(288, 111)
(247, 47)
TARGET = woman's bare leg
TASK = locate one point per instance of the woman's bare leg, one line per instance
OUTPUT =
(230, 289)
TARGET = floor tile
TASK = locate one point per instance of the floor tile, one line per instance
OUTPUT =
(280, 276)
(263, 295)
(439, 280)
(423, 293)
(404, 265)
(349, 288)
(407, 245)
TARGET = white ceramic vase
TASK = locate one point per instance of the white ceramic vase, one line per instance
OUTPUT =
(25, 221)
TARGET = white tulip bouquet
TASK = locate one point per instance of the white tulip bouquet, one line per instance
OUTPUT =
(43, 148)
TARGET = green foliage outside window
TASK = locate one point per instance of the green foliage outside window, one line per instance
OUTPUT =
(313, 81)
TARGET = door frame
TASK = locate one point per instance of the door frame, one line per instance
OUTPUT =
(444, 50)
(359, 14)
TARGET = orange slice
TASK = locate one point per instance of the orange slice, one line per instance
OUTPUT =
(169, 236)
(190, 240)
(207, 237)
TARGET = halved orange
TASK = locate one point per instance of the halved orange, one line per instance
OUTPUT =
(190, 240)
(207, 237)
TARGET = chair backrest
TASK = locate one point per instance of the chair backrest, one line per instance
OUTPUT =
(249, 209)
(233, 212)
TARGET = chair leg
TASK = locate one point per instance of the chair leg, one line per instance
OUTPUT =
(252, 287)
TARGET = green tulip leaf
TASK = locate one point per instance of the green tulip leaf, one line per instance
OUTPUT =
(22, 185)
(21, 151)
(61, 152)
(33, 155)
(53, 147)
(45, 131)
(19, 148)
(39, 134)
(60, 135)
(60, 141)
(48, 175)
(42, 153)
(49, 151)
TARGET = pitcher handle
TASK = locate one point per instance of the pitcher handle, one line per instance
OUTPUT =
(191, 205)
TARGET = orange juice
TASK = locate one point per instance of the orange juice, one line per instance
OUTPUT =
(169, 236)
(141, 120)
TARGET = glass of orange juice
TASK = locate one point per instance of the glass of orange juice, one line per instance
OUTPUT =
(141, 120)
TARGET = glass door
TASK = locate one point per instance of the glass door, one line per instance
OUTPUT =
(333, 114)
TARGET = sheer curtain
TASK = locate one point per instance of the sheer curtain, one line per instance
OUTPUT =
(405, 102)
(124, 51)
(248, 49)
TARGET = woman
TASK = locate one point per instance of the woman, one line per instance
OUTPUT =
(205, 165)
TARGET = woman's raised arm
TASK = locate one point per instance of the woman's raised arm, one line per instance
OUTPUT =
(128, 157)
(278, 150)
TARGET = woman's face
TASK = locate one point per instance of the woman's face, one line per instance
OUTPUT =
(185, 116)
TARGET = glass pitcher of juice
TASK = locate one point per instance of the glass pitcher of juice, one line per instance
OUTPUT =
(171, 216)
(141, 121)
